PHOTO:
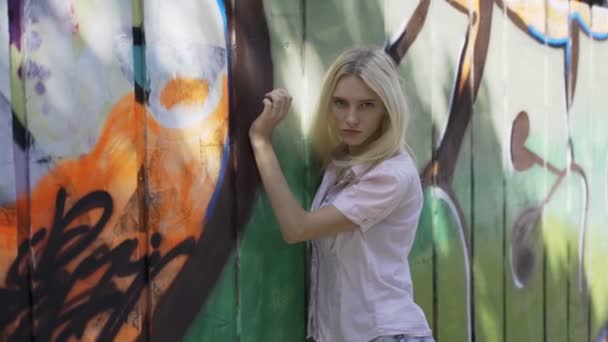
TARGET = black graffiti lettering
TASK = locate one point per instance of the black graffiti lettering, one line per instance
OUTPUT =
(49, 282)
(120, 313)
(15, 296)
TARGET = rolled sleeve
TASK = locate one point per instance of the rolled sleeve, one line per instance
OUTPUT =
(372, 198)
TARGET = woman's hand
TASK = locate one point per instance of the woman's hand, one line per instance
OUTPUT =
(276, 106)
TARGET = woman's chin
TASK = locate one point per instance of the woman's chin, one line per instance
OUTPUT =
(351, 141)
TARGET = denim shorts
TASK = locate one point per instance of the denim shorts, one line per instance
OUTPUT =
(402, 338)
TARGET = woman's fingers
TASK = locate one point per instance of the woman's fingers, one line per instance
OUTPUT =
(267, 106)
(285, 101)
(276, 106)
(275, 98)
(280, 102)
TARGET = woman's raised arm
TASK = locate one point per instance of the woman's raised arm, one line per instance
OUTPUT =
(296, 224)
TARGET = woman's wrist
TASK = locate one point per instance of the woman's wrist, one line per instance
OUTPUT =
(258, 142)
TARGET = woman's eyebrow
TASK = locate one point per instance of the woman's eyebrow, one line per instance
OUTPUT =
(358, 100)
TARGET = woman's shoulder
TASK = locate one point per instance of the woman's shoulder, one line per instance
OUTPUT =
(401, 168)
(398, 170)
(400, 163)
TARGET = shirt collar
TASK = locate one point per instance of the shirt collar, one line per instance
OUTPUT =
(354, 172)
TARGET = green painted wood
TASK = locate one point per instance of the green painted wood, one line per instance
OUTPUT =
(271, 276)
(217, 320)
(451, 232)
(271, 282)
(488, 226)
(334, 26)
(421, 261)
(451, 272)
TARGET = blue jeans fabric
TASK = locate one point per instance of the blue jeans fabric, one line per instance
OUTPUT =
(402, 338)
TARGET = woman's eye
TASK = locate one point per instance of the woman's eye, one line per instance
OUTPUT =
(367, 105)
(339, 103)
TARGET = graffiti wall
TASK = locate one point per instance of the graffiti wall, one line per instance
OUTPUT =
(125, 181)
(130, 206)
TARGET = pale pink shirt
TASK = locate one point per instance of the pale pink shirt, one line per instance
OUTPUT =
(361, 286)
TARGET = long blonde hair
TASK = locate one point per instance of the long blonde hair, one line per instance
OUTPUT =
(378, 71)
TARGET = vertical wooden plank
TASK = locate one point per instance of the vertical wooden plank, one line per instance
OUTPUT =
(15, 289)
(188, 182)
(415, 69)
(7, 165)
(138, 202)
(490, 140)
(524, 180)
(587, 190)
(555, 266)
(271, 273)
(449, 174)
(577, 184)
(8, 228)
(596, 248)
(451, 267)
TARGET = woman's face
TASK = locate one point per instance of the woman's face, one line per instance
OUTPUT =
(357, 111)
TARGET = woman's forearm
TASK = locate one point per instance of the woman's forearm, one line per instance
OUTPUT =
(290, 215)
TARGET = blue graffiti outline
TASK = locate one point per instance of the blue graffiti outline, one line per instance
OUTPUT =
(558, 42)
(226, 152)
(220, 4)
(595, 35)
(566, 43)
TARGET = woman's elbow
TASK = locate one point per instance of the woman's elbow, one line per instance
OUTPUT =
(290, 241)
(291, 237)
(292, 230)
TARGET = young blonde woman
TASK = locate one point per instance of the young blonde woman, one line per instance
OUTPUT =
(363, 218)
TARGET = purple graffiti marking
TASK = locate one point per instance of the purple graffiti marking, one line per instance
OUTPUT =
(34, 70)
(15, 9)
(40, 89)
(39, 73)
(33, 41)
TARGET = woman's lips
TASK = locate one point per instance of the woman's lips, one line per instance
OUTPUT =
(350, 131)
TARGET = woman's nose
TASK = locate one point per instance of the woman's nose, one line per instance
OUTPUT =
(351, 117)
